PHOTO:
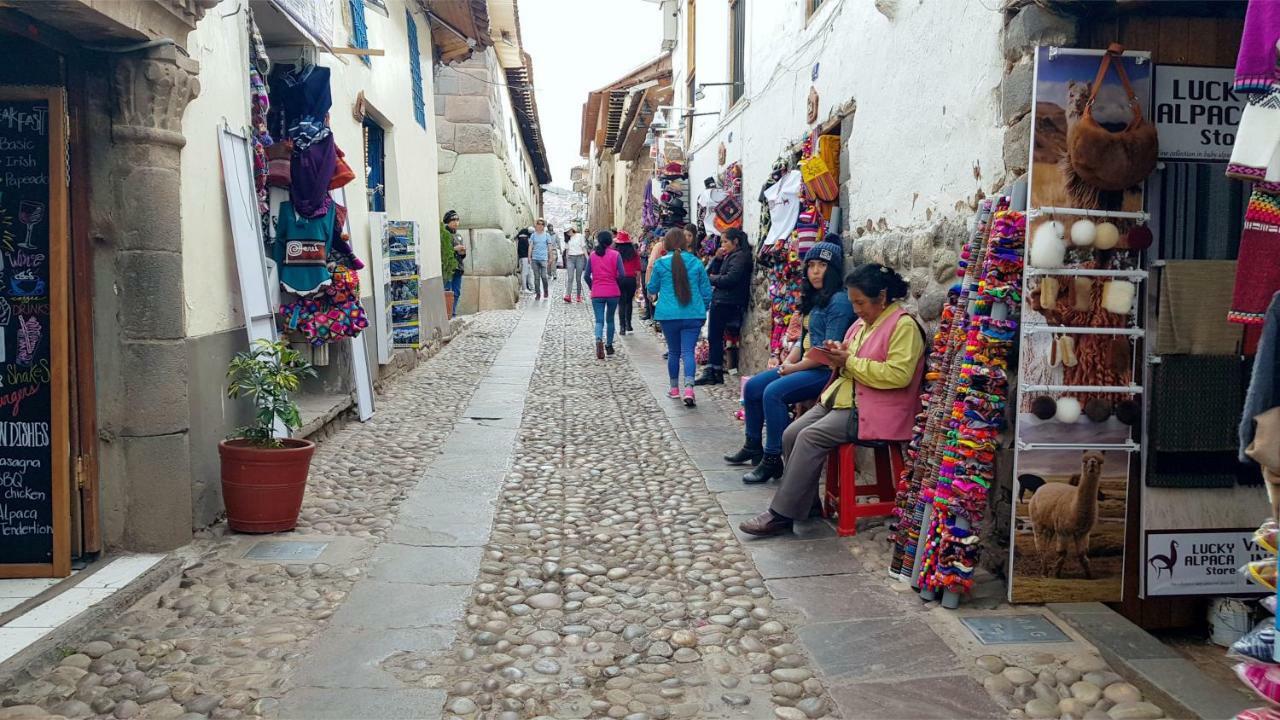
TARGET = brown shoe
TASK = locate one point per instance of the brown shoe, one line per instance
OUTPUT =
(766, 524)
(599, 344)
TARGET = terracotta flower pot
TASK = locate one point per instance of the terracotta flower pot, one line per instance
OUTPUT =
(262, 487)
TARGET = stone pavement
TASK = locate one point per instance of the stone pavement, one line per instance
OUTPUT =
(523, 531)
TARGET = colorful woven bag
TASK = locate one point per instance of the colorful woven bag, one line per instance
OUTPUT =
(820, 178)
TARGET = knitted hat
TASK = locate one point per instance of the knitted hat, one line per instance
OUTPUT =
(450, 216)
(829, 253)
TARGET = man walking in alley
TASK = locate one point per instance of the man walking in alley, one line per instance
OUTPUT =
(541, 247)
(522, 251)
(451, 222)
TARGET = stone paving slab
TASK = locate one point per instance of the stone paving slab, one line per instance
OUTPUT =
(837, 598)
(349, 704)
(348, 656)
(802, 558)
(747, 500)
(394, 563)
(878, 649)
(401, 605)
(953, 697)
(810, 529)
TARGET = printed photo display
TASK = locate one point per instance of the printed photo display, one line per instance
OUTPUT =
(26, 364)
(402, 260)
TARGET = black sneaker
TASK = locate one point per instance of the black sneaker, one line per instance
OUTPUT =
(608, 349)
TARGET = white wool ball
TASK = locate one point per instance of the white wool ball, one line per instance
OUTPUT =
(1107, 236)
(1083, 233)
(1117, 296)
(1068, 410)
(1047, 248)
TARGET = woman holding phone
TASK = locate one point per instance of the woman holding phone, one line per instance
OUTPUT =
(875, 394)
(827, 315)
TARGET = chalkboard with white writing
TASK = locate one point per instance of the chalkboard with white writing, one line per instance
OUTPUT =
(27, 467)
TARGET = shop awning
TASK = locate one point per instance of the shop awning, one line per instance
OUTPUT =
(640, 113)
(605, 111)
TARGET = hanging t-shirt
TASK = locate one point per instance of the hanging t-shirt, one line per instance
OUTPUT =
(784, 206)
(709, 200)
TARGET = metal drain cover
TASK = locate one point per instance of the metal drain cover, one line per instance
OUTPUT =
(283, 550)
(1014, 629)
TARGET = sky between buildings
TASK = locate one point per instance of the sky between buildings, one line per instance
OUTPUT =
(578, 46)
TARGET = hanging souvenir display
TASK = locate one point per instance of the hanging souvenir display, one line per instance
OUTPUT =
(941, 375)
(949, 546)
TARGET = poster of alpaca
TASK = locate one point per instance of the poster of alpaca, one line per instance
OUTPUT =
(1064, 82)
(1068, 526)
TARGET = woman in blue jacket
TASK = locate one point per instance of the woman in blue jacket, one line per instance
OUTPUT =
(827, 315)
(683, 289)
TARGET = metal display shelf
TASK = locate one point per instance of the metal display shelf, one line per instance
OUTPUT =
(1141, 217)
(1088, 272)
(1118, 389)
(1129, 446)
(1064, 330)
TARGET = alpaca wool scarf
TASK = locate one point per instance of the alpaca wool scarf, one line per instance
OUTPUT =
(1258, 267)
(1256, 61)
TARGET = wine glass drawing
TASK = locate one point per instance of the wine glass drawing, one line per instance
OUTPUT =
(30, 213)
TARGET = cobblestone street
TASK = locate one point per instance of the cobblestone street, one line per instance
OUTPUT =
(523, 531)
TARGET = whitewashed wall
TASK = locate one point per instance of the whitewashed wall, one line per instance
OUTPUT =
(926, 136)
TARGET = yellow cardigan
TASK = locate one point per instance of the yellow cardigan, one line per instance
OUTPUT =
(906, 346)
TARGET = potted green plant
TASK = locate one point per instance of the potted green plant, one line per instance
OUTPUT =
(264, 477)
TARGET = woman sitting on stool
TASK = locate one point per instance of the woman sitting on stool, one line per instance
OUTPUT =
(875, 396)
(827, 315)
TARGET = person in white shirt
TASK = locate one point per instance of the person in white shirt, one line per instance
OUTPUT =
(575, 264)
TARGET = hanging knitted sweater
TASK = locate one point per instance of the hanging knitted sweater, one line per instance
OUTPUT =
(301, 249)
(1256, 62)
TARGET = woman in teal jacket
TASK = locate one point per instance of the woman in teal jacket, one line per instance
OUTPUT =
(683, 289)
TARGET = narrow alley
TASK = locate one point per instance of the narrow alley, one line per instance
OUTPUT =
(546, 536)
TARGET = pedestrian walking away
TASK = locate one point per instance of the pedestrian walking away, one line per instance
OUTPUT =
(541, 253)
(522, 252)
(680, 282)
(575, 262)
(451, 223)
(604, 271)
(632, 267)
(730, 274)
(826, 314)
(873, 396)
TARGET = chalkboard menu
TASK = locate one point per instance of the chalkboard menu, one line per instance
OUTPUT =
(33, 414)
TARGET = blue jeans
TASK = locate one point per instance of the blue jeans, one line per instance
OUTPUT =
(766, 397)
(605, 309)
(455, 284)
(682, 337)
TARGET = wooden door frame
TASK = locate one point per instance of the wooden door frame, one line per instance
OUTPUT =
(59, 335)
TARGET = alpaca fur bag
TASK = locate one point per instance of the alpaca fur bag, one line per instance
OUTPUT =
(1107, 160)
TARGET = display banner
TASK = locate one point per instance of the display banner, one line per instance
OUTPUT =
(33, 373)
(1196, 113)
(1204, 562)
(402, 260)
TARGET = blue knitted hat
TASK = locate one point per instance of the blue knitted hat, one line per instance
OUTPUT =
(830, 253)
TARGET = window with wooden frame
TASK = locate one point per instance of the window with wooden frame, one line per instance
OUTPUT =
(737, 49)
(811, 7)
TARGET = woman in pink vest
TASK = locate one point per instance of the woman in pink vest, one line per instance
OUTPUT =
(874, 395)
(604, 270)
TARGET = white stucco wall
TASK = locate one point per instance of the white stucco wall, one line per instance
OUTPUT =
(925, 83)
(209, 268)
(219, 44)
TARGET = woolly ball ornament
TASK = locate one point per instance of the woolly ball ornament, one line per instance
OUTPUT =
(1097, 410)
(1117, 296)
(1107, 236)
(1128, 412)
(1068, 410)
(1047, 249)
(1044, 407)
(1083, 233)
(1139, 238)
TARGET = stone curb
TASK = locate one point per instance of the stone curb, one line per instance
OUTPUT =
(1163, 675)
(48, 649)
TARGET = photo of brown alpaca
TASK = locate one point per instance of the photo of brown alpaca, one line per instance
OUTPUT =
(1063, 516)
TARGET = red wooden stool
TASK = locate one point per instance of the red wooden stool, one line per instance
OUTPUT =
(840, 496)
